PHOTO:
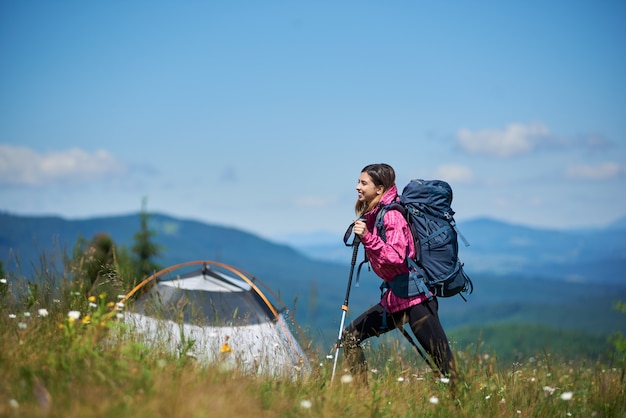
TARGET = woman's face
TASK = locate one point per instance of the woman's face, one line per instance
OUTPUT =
(366, 188)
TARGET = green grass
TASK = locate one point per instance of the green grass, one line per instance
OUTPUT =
(54, 366)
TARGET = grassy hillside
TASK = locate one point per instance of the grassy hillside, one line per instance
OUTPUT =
(68, 357)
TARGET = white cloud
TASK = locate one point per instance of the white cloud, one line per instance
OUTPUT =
(455, 173)
(602, 171)
(516, 139)
(23, 166)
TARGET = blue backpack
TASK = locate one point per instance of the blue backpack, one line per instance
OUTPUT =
(436, 267)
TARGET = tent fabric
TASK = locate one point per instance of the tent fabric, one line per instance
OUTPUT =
(217, 318)
(260, 348)
(171, 300)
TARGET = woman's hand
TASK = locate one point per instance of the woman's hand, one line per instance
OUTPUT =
(360, 228)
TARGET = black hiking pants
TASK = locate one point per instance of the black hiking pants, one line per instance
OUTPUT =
(423, 320)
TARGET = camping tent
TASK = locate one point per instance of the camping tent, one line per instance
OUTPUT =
(217, 314)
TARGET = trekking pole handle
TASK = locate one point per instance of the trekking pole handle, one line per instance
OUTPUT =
(356, 242)
(357, 238)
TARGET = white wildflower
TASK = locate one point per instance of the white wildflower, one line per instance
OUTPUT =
(73, 315)
(444, 380)
(42, 312)
(434, 400)
(346, 378)
(92, 305)
(401, 379)
(306, 404)
(21, 325)
(27, 314)
(549, 389)
(121, 296)
(567, 396)
(3, 281)
(488, 397)
(12, 316)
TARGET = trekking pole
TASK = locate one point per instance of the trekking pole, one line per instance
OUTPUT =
(344, 307)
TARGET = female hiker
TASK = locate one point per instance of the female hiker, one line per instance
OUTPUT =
(376, 188)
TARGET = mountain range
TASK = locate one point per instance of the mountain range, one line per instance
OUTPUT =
(569, 279)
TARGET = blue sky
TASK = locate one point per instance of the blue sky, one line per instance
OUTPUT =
(260, 114)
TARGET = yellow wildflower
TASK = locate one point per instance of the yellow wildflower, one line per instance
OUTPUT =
(225, 348)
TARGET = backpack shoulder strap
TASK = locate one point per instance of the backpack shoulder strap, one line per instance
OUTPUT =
(380, 222)
(380, 226)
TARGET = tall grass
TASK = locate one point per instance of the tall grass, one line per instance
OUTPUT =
(66, 353)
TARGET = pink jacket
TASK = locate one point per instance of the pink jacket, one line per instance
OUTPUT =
(388, 259)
